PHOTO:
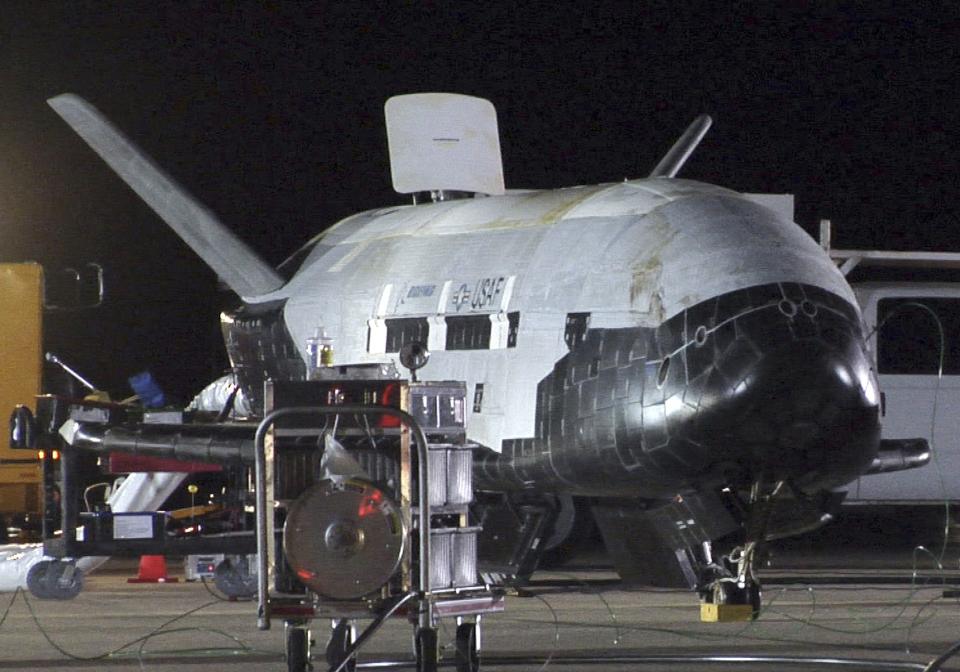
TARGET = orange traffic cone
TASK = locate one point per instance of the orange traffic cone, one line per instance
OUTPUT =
(153, 569)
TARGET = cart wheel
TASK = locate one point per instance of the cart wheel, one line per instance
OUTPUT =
(54, 580)
(428, 653)
(467, 655)
(298, 647)
(36, 579)
(233, 578)
(340, 640)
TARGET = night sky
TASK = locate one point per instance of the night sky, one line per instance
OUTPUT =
(271, 114)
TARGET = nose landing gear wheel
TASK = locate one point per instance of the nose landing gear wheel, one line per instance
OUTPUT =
(341, 639)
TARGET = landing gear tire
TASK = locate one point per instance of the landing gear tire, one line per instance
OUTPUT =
(297, 647)
(427, 651)
(573, 528)
(341, 639)
(467, 656)
(54, 580)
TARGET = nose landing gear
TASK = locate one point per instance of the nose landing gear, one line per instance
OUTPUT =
(729, 595)
(731, 589)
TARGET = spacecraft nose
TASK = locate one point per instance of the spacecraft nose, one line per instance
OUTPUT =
(794, 399)
(812, 415)
(770, 382)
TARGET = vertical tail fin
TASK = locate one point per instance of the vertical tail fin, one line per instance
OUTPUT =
(673, 160)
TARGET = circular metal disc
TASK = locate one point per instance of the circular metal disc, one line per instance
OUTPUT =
(414, 355)
(344, 540)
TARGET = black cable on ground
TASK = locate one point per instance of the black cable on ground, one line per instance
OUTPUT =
(160, 630)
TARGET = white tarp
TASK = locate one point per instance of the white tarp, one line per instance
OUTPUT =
(138, 492)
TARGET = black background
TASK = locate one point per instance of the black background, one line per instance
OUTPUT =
(272, 115)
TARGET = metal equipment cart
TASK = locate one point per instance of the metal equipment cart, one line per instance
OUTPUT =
(361, 487)
(362, 513)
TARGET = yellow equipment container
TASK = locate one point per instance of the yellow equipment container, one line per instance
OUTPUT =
(21, 368)
(725, 613)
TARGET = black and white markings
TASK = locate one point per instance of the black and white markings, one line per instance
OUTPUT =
(484, 294)
(466, 314)
(720, 393)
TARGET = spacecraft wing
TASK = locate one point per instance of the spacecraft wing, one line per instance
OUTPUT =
(243, 271)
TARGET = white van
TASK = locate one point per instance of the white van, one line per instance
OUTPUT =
(914, 332)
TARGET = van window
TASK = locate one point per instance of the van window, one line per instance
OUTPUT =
(908, 338)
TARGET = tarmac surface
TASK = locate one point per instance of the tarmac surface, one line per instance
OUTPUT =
(826, 614)
(864, 595)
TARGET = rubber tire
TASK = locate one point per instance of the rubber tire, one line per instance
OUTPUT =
(298, 649)
(340, 640)
(45, 580)
(428, 653)
(577, 530)
(466, 655)
(36, 580)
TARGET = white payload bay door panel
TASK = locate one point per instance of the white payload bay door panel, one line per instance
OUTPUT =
(444, 141)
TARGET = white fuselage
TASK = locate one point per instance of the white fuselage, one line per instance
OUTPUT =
(628, 254)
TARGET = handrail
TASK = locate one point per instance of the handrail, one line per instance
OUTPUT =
(260, 493)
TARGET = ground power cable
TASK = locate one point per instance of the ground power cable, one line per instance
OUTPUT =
(555, 657)
(586, 588)
(161, 630)
(937, 662)
(941, 358)
(715, 636)
(903, 605)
